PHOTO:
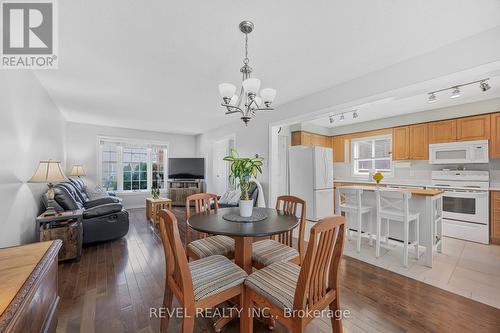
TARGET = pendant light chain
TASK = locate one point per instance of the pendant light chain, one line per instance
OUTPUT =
(246, 60)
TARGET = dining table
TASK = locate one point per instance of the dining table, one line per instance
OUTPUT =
(213, 222)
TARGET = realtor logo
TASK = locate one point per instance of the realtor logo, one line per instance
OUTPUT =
(29, 35)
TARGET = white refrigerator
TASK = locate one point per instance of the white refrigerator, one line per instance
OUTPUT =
(311, 179)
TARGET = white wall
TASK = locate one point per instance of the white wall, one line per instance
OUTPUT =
(31, 129)
(81, 144)
(444, 61)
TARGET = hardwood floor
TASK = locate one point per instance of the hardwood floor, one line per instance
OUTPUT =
(114, 285)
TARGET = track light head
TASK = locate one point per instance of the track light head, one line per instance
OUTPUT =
(432, 98)
(331, 120)
(355, 114)
(484, 85)
(342, 117)
(455, 93)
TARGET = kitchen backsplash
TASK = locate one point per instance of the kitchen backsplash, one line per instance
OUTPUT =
(417, 171)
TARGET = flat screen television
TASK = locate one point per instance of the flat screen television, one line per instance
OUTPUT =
(186, 168)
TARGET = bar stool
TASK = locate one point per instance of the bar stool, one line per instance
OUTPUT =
(348, 201)
(393, 205)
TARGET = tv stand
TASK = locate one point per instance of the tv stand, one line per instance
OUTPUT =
(180, 189)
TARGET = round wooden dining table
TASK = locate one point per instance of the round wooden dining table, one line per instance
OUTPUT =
(243, 233)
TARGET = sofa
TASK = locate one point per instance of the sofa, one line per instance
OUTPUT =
(253, 192)
(104, 218)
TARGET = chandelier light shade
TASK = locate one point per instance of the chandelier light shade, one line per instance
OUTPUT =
(227, 90)
(268, 95)
(249, 99)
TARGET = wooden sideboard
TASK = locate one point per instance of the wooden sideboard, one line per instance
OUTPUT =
(28, 288)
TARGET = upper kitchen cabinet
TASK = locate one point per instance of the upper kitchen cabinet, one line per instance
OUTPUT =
(473, 128)
(494, 146)
(401, 143)
(338, 145)
(302, 138)
(410, 142)
(419, 142)
(443, 131)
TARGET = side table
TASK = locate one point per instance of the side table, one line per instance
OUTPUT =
(66, 226)
(153, 207)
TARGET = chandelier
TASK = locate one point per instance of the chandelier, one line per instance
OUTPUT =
(248, 101)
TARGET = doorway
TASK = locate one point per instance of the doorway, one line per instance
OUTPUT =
(220, 168)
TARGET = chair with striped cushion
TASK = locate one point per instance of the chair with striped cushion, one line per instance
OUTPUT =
(206, 245)
(293, 293)
(197, 285)
(280, 248)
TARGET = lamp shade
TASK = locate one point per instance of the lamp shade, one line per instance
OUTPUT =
(251, 85)
(227, 90)
(47, 172)
(268, 94)
(77, 170)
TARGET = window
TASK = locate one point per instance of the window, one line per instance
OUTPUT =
(158, 167)
(109, 174)
(372, 153)
(126, 165)
(135, 169)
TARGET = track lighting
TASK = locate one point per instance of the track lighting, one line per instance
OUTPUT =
(432, 98)
(455, 93)
(354, 114)
(484, 85)
(331, 120)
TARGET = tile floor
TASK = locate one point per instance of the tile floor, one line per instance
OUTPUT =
(465, 268)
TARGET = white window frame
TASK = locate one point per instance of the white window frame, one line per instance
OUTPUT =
(354, 142)
(121, 143)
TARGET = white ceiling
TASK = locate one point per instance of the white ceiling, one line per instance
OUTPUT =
(156, 65)
(415, 98)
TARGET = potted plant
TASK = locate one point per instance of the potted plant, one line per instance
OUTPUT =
(242, 169)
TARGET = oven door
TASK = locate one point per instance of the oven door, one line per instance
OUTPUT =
(468, 206)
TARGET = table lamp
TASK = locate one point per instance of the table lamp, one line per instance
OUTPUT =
(48, 172)
(77, 170)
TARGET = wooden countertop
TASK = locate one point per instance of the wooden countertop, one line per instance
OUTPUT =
(16, 265)
(413, 191)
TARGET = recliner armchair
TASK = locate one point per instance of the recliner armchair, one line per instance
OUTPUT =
(103, 218)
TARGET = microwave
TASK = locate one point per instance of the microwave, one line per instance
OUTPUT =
(459, 152)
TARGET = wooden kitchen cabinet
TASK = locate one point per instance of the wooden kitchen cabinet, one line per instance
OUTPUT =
(494, 146)
(473, 128)
(419, 142)
(302, 138)
(319, 140)
(401, 143)
(443, 131)
(495, 217)
(338, 145)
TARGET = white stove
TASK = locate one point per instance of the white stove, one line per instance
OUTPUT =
(465, 203)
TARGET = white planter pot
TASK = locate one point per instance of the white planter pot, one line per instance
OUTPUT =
(246, 208)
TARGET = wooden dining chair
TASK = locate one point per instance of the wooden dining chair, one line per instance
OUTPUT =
(200, 284)
(206, 245)
(286, 288)
(280, 247)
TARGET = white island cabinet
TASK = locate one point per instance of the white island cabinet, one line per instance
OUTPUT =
(427, 202)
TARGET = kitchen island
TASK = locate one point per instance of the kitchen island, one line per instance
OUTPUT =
(427, 202)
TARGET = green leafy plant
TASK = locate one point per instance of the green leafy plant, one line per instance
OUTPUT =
(155, 192)
(242, 169)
